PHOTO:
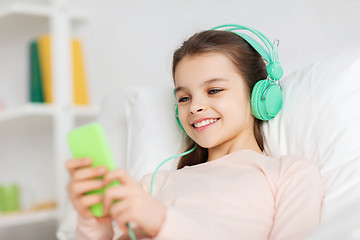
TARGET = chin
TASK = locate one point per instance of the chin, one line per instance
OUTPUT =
(204, 141)
(206, 144)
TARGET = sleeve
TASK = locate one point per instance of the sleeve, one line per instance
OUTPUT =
(178, 226)
(92, 229)
(298, 200)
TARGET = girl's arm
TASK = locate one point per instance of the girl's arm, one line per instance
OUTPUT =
(298, 200)
(129, 202)
(153, 219)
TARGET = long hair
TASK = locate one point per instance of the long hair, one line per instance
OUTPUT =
(247, 61)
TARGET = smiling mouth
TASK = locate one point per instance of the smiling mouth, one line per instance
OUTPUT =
(205, 122)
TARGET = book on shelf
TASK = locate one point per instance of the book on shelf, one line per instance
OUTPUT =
(41, 81)
(79, 83)
(36, 86)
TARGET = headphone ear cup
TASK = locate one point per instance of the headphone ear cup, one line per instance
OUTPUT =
(254, 100)
(177, 118)
(267, 108)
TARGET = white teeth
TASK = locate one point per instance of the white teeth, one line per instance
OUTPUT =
(205, 122)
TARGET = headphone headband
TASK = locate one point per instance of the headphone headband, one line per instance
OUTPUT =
(274, 69)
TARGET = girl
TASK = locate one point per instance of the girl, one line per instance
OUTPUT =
(228, 188)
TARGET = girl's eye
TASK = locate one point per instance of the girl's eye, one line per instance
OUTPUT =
(213, 91)
(184, 99)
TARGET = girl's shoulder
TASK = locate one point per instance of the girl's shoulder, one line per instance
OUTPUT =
(292, 161)
(297, 167)
(284, 163)
(281, 168)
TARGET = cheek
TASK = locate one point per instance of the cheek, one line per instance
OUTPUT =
(237, 107)
(182, 115)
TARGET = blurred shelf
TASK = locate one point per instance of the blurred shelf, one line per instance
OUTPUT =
(22, 8)
(33, 116)
(45, 110)
(30, 109)
(36, 9)
(27, 217)
(85, 111)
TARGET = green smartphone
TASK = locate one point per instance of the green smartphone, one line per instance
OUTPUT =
(89, 141)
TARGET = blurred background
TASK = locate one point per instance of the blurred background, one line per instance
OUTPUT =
(123, 43)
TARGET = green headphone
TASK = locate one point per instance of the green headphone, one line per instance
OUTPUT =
(266, 96)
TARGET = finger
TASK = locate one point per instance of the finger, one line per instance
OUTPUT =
(73, 164)
(118, 174)
(125, 236)
(89, 200)
(119, 208)
(82, 205)
(88, 173)
(122, 221)
(139, 233)
(105, 219)
(112, 194)
(76, 189)
(85, 213)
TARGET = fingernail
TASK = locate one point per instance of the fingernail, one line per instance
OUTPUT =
(101, 170)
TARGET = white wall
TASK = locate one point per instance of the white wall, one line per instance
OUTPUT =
(129, 42)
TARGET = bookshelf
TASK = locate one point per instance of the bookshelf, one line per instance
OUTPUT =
(40, 115)
(27, 217)
(38, 130)
(36, 9)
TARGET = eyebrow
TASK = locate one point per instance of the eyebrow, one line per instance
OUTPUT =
(204, 83)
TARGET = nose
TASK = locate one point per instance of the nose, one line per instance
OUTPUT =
(197, 107)
(196, 110)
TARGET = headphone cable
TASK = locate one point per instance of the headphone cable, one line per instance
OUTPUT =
(156, 170)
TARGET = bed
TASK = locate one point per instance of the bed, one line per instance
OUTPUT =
(319, 121)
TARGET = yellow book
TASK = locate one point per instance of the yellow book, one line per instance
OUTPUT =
(79, 83)
(80, 93)
(44, 46)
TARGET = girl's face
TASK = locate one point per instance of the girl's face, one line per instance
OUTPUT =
(214, 108)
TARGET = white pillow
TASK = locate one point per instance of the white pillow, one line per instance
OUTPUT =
(319, 120)
(152, 131)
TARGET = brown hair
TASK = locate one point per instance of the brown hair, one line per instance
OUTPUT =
(246, 60)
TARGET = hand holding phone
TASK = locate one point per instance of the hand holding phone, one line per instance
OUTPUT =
(89, 141)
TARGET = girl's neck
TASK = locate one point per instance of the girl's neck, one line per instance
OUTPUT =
(242, 142)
